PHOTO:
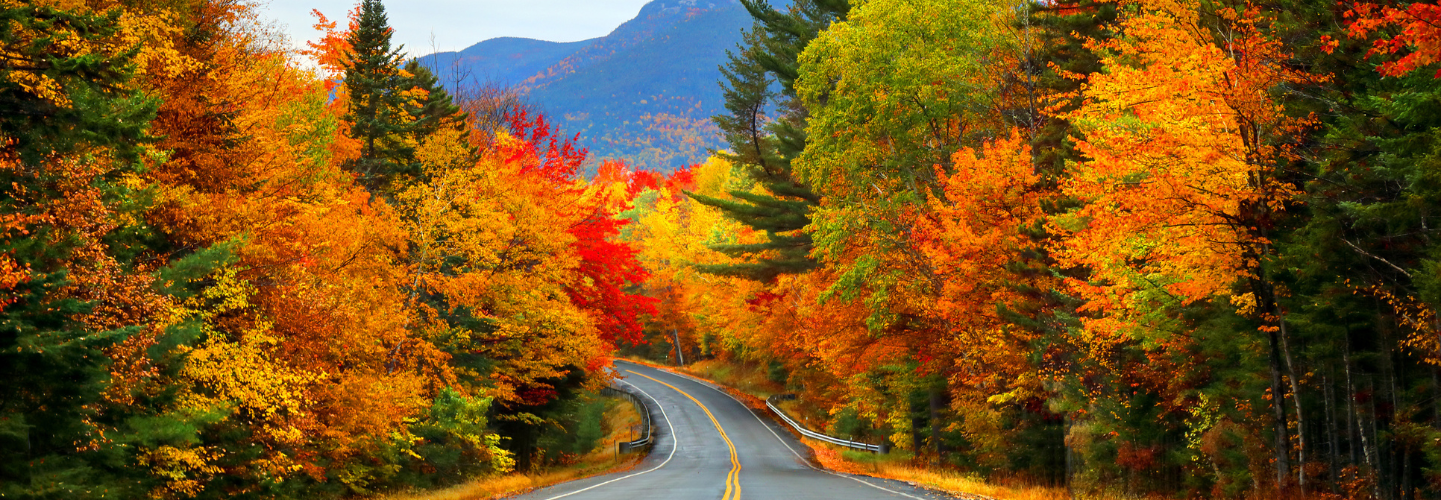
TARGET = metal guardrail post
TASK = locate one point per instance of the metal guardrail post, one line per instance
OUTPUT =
(770, 403)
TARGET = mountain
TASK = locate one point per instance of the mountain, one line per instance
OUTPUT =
(644, 93)
(505, 60)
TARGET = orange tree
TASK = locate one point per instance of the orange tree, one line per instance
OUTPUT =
(1183, 144)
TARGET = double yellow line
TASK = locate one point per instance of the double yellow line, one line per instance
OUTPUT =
(733, 479)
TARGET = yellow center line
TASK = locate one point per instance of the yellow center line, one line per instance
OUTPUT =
(734, 477)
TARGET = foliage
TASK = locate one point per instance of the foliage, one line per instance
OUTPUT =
(201, 300)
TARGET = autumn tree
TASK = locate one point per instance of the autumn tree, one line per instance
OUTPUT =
(73, 127)
(1181, 184)
(1419, 40)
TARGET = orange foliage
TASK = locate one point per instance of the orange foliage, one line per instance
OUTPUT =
(1179, 183)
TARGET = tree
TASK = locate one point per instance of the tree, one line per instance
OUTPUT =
(1181, 187)
(378, 94)
(434, 108)
(765, 145)
(72, 126)
(1420, 25)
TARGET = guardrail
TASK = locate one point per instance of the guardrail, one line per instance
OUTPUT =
(770, 403)
(647, 432)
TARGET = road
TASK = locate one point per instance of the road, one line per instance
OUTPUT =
(710, 446)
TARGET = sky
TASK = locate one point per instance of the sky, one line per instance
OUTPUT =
(450, 25)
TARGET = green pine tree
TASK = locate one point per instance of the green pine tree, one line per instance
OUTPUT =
(54, 368)
(437, 110)
(378, 116)
(763, 146)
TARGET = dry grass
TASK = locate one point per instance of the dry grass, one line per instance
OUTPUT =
(618, 421)
(900, 467)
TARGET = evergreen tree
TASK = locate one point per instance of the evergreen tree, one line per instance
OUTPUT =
(378, 116)
(1363, 238)
(764, 146)
(77, 107)
(1048, 312)
(436, 109)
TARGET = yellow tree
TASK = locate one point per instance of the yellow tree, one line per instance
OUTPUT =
(303, 341)
(490, 242)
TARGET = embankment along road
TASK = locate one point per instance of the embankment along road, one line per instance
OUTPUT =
(709, 446)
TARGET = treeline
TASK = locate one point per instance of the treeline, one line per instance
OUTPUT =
(224, 274)
(1176, 248)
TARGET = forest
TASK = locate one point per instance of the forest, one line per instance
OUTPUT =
(1152, 248)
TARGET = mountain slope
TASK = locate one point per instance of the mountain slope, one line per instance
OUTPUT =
(505, 60)
(643, 93)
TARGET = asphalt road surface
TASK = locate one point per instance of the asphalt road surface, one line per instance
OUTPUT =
(710, 446)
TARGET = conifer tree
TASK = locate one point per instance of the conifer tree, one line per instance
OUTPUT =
(764, 146)
(437, 109)
(378, 115)
(65, 101)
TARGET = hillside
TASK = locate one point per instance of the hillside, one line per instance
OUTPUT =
(505, 60)
(644, 93)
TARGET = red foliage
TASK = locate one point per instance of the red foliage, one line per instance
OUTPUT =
(683, 179)
(636, 181)
(1137, 458)
(641, 181)
(609, 267)
(1419, 41)
(763, 299)
(536, 396)
(542, 150)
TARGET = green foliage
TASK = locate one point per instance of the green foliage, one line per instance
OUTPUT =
(763, 146)
(377, 92)
(455, 442)
(54, 366)
(434, 111)
(557, 432)
(46, 70)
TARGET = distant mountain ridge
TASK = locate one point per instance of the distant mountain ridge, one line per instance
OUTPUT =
(506, 60)
(644, 93)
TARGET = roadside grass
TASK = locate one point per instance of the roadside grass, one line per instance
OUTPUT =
(620, 416)
(900, 465)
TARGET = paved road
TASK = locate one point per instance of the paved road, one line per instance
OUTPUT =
(709, 446)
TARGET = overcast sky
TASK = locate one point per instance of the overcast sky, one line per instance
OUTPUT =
(457, 24)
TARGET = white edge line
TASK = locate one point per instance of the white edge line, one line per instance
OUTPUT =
(778, 438)
(675, 443)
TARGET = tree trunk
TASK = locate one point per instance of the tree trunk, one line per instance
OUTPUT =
(1070, 459)
(1278, 393)
(679, 354)
(1333, 448)
(935, 417)
(1278, 411)
(1352, 418)
(1368, 442)
(1296, 400)
(1436, 396)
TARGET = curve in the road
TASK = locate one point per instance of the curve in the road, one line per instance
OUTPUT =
(788, 446)
(701, 464)
(647, 471)
(734, 477)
